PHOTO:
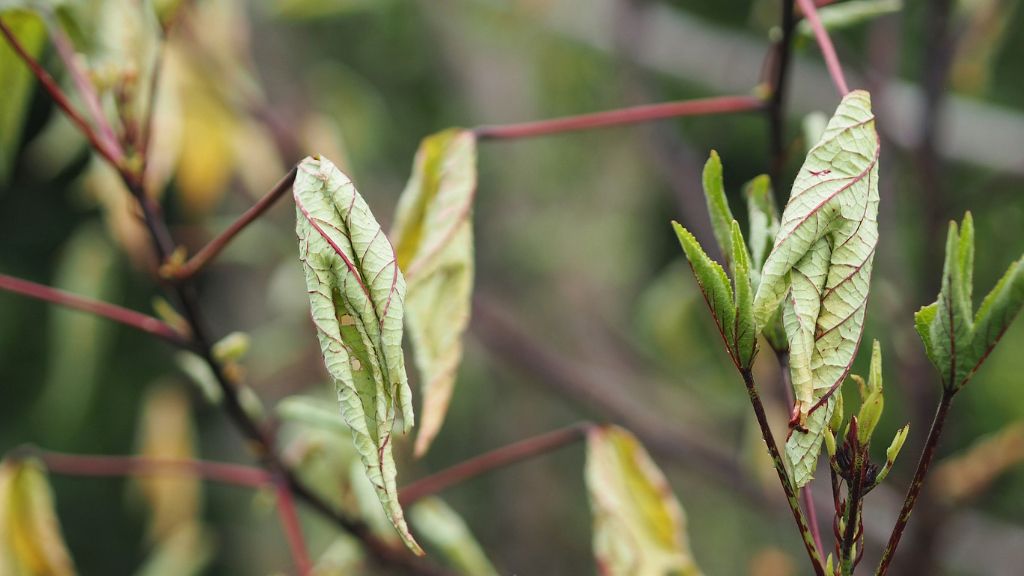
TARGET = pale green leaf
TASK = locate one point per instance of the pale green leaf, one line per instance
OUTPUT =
(923, 320)
(821, 266)
(718, 205)
(18, 81)
(764, 222)
(185, 552)
(639, 526)
(874, 402)
(445, 531)
(714, 284)
(356, 293)
(433, 238)
(850, 13)
(745, 333)
(31, 543)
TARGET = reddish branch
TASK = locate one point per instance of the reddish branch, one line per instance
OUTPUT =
(78, 465)
(292, 527)
(633, 115)
(498, 458)
(828, 51)
(131, 318)
(215, 246)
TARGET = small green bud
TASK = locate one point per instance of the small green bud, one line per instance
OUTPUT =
(869, 415)
(232, 347)
(875, 373)
(897, 443)
(830, 442)
(837, 413)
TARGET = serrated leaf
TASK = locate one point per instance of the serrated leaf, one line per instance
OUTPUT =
(444, 530)
(714, 284)
(850, 13)
(639, 526)
(433, 238)
(745, 343)
(356, 293)
(956, 339)
(718, 204)
(30, 540)
(821, 266)
(18, 81)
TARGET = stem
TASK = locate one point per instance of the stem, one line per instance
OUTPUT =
(828, 51)
(497, 458)
(777, 105)
(59, 98)
(632, 115)
(780, 468)
(848, 548)
(807, 499)
(941, 412)
(215, 246)
(81, 465)
(130, 318)
(292, 527)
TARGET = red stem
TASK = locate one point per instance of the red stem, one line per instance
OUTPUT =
(632, 115)
(59, 98)
(215, 246)
(130, 318)
(78, 465)
(292, 527)
(498, 458)
(825, 43)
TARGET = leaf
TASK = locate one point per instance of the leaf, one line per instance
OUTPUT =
(639, 526)
(30, 540)
(714, 284)
(18, 81)
(850, 13)
(356, 294)
(433, 238)
(956, 339)
(184, 552)
(745, 343)
(443, 529)
(821, 266)
(764, 222)
(718, 204)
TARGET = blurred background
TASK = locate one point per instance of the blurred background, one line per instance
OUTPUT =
(584, 306)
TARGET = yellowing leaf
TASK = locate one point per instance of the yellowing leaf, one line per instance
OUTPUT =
(30, 540)
(821, 267)
(356, 295)
(639, 526)
(433, 238)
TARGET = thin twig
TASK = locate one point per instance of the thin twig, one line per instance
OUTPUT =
(94, 465)
(632, 115)
(941, 412)
(489, 461)
(59, 98)
(214, 247)
(292, 528)
(828, 51)
(130, 318)
(780, 468)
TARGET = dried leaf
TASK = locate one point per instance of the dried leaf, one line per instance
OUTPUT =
(356, 293)
(433, 238)
(821, 266)
(30, 540)
(639, 526)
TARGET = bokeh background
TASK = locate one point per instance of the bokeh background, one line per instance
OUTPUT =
(584, 306)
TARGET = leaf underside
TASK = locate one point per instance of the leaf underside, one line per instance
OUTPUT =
(639, 526)
(433, 238)
(819, 269)
(356, 294)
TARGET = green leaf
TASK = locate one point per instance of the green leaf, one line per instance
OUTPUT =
(873, 404)
(433, 238)
(745, 343)
(639, 526)
(850, 13)
(718, 205)
(30, 538)
(356, 294)
(764, 222)
(18, 81)
(444, 530)
(714, 284)
(821, 267)
(956, 339)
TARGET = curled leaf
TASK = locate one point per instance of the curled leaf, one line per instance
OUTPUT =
(433, 238)
(30, 538)
(820, 267)
(356, 295)
(639, 526)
